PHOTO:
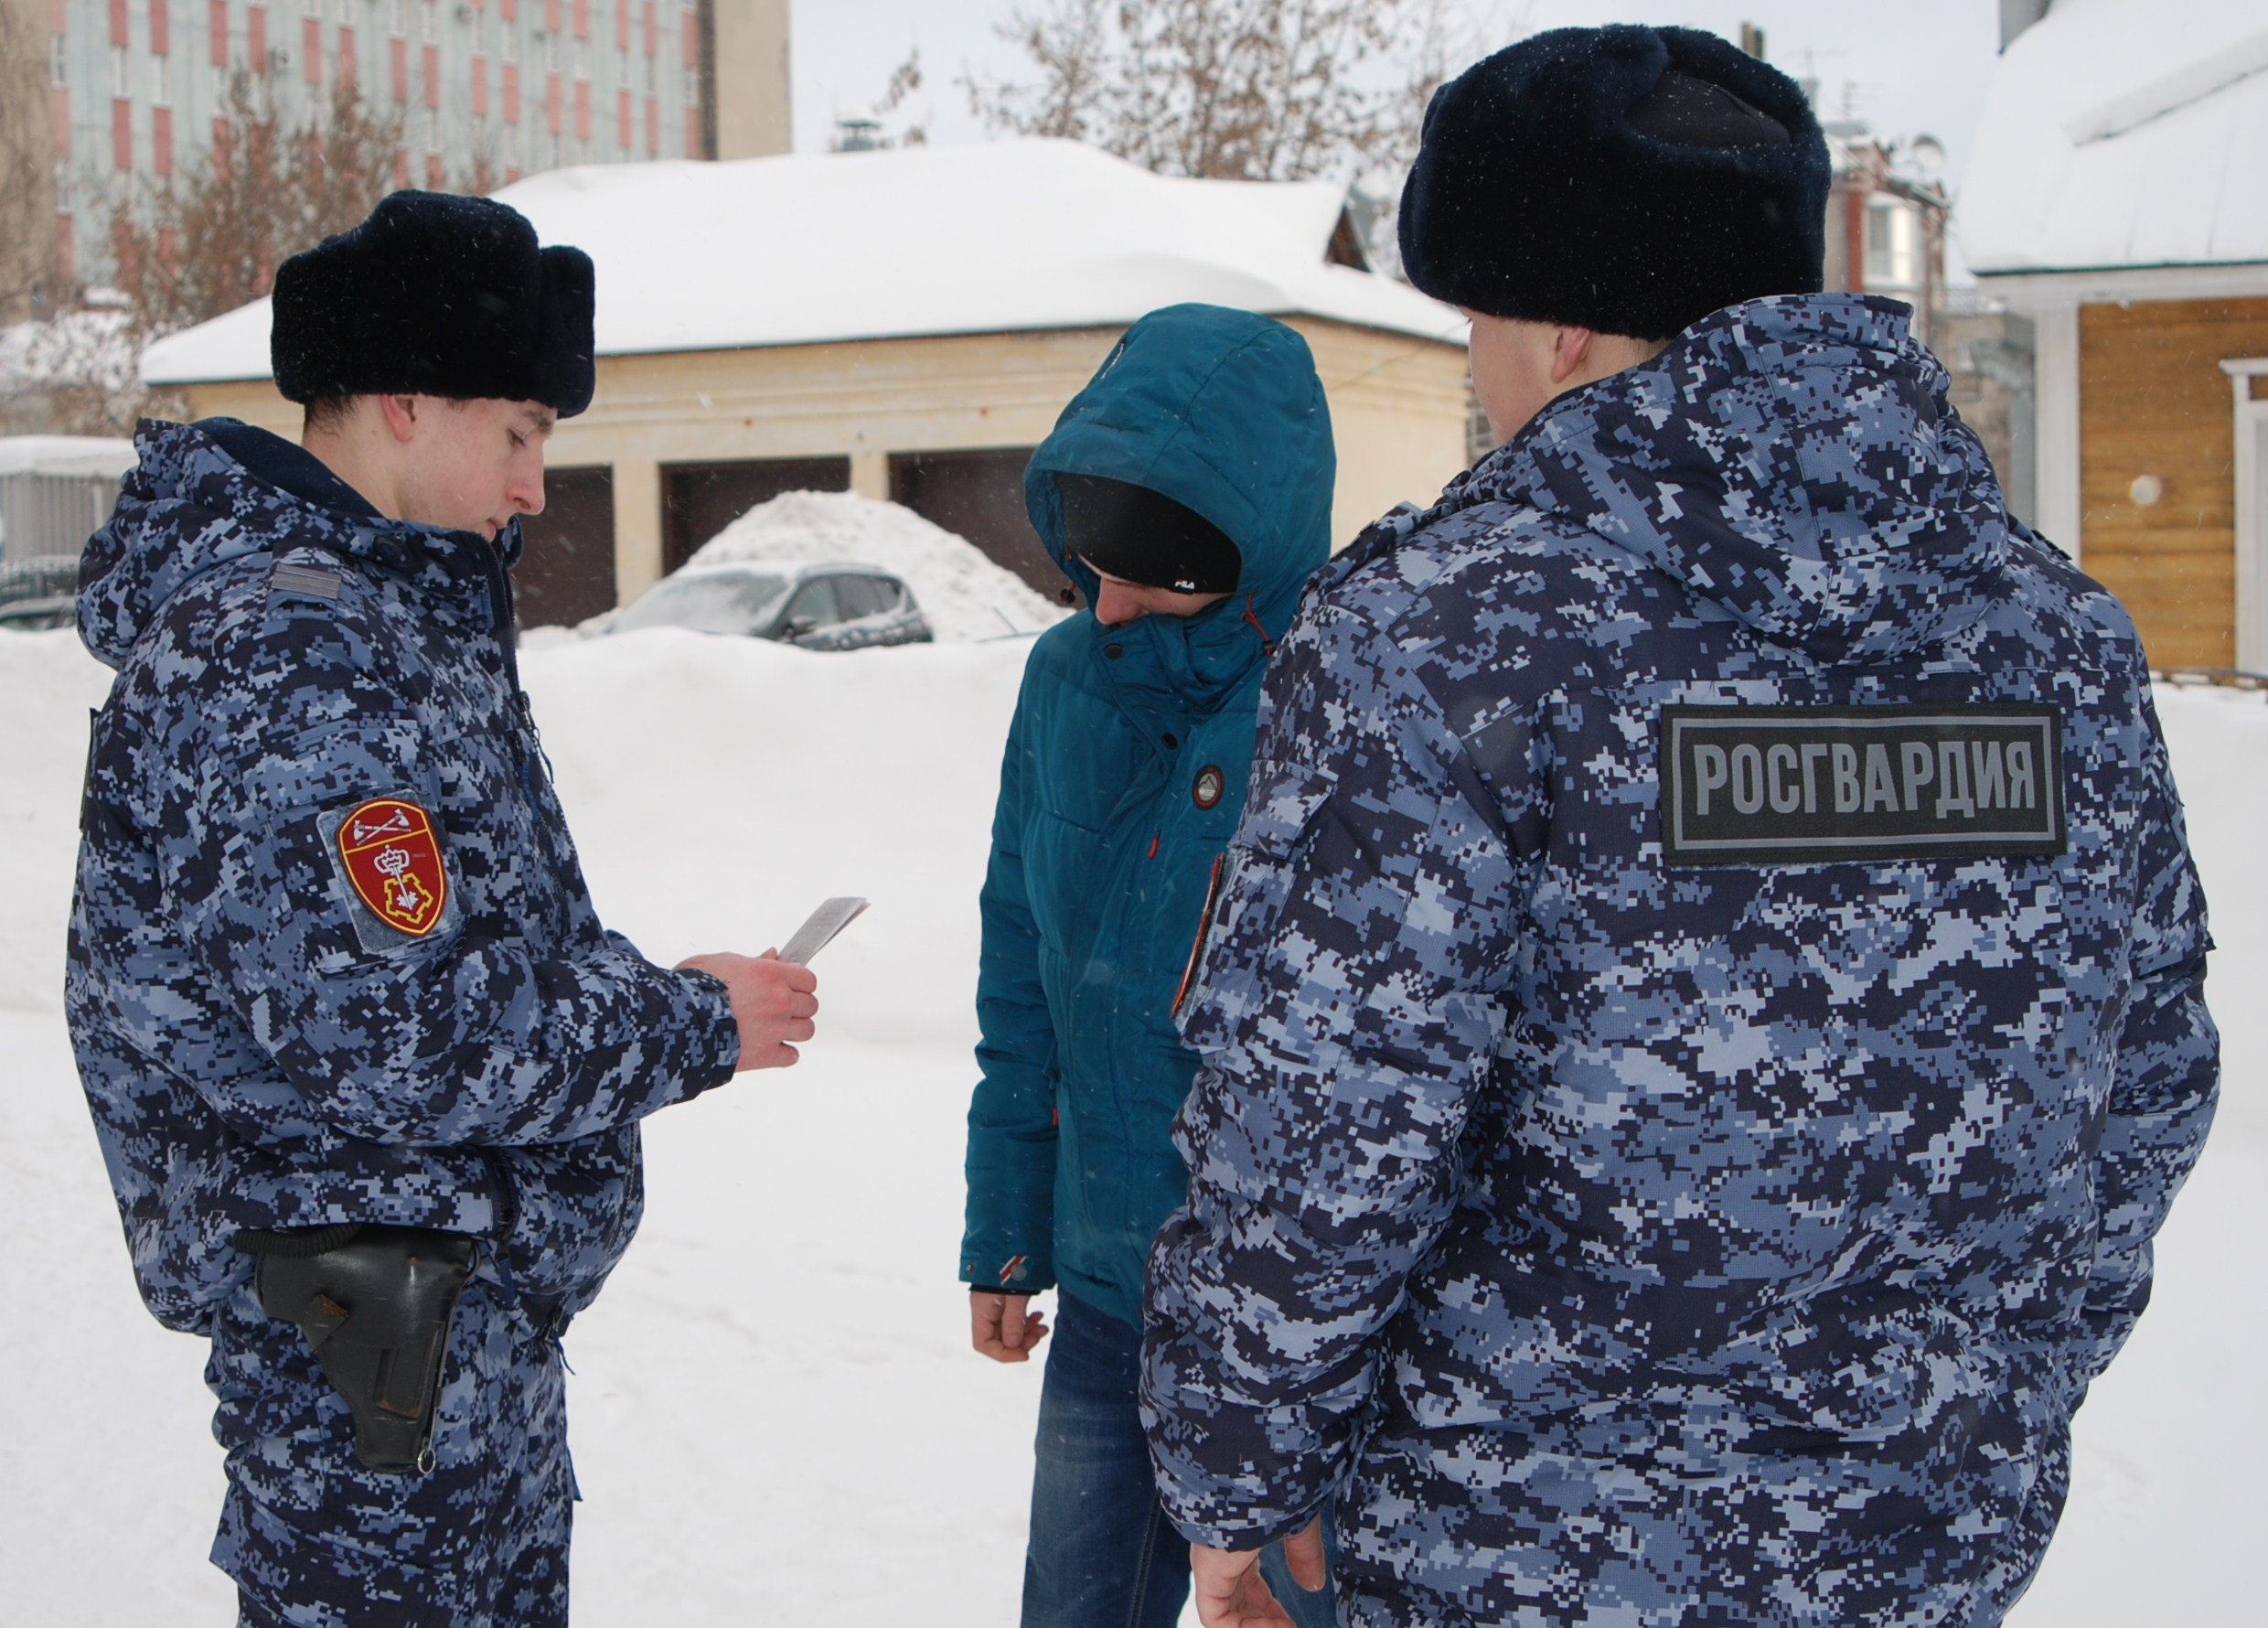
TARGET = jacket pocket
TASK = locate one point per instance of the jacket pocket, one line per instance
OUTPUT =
(1279, 814)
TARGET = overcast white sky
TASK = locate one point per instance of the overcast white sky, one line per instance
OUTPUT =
(1914, 66)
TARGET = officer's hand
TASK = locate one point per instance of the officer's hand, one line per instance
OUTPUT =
(1003, 1327)
(773, 1002)
(1231, 1592)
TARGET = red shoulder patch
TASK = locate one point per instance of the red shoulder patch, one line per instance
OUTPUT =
(393, 858)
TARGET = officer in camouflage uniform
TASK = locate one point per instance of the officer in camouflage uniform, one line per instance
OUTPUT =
(335, 982)
(1707, 1015)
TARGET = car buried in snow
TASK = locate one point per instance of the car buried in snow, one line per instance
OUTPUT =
(39, 593)
(833, 604)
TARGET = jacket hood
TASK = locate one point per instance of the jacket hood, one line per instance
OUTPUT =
(1222, 411)
(1795, 460)
(199, 499)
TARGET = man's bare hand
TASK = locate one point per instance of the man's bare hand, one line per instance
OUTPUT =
(1231, 1592)
(1003, 1326)
(1303, 1553)
(773, 1002)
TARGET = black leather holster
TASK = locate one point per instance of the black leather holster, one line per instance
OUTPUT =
(376, 1303)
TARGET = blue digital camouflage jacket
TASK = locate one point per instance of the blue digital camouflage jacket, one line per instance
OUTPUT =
(264, 1040)
(1723, 1234)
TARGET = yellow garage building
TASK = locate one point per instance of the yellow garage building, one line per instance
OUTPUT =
(907, 325)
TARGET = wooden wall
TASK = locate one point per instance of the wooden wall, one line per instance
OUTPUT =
(2154, 400)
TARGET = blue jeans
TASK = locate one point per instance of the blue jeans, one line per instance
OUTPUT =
(1102, 1553)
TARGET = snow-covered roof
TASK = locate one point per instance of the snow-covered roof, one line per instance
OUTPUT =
(66, 454)
(989, 238)
(2123, 133)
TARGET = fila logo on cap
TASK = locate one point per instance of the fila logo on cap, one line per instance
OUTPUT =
(1749, 786)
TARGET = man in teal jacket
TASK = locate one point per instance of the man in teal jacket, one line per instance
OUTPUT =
(1187, 491)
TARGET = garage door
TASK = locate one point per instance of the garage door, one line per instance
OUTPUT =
(699, 501)
(567, 571)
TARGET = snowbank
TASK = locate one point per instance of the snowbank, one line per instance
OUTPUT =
(776, 1418)
(962, 591)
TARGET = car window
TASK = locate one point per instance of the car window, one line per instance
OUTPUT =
(859, 597)
(707, 601)
(889, 593)
(815, 603)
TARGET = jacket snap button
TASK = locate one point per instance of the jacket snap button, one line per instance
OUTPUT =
(1114, 651)
(1171, 742)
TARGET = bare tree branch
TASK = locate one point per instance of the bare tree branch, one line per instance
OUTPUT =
(26, 178)
(904, 80)
(1238, 90)
(192, 246)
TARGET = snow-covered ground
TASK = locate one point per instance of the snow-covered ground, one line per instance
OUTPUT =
(776, 1418)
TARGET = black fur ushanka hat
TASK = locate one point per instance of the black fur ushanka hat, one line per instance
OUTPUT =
(439, 295)
(1626, 179)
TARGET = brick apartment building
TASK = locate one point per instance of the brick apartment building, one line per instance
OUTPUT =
(515, 86)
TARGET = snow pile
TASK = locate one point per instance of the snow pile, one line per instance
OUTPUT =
(777, 1417)
(963, 592)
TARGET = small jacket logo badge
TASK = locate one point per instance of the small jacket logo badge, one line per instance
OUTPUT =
(393, 859)
(1207, 791)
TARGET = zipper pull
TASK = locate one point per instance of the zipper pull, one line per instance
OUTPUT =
(532, 735)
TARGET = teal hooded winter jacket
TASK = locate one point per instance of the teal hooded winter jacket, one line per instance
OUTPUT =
(1124, 775)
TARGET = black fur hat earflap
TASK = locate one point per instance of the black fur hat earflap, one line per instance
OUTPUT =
(441, 296)
(1628, 179)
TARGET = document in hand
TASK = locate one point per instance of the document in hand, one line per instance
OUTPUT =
(823, 924)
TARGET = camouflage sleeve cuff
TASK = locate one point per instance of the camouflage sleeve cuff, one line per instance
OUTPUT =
(717, 1058)
(1238, 1540)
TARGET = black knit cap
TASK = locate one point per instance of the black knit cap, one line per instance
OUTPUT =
(1626, 179)
(438, 295)
(1142, 536)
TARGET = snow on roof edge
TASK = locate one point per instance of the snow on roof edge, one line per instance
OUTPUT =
(1014, 237)
(66, 456)
(1449, 336)
(2115, 268)
(2170, 92)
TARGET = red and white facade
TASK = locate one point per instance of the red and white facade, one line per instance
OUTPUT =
(489, 89)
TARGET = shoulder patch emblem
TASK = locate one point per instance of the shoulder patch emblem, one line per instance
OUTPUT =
(1206, 792)
(392, 856)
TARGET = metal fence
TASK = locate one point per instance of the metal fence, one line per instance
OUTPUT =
(45, 515)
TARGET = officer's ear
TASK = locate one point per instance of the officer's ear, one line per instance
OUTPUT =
(1570, 350)
(400, 414)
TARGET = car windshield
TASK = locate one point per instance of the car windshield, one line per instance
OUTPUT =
(707, 601)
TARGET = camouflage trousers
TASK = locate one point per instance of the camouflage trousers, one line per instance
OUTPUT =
(315, 1540)
(1460, 1527)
